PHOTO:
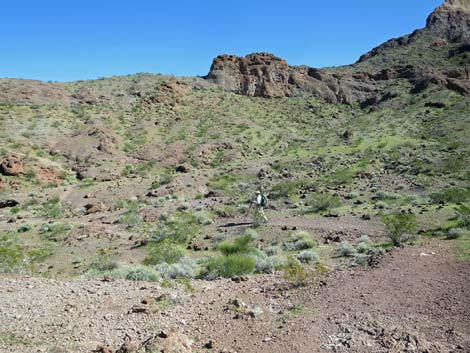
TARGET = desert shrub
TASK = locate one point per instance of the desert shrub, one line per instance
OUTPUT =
(381, 205)
(180, 228)
(361, 260)
(362, 248)
(123, 271)
(343, 176)
(307, 256)
(364, 239)
(184, 206)
(283, 189)
(52, 208)
(103, 265)
(164, 252)
(230, 266)
(352, 195)
(202, 218)
(16, 258)
(24, 228)
(53, 230)
(383, 195)
(463, 215)
(323, 202)
(219, 237)
(186, 268)
(273, 250)
(346, 249)
(295, 273)
(456, 233)
(400, 226)
(299, 241)
(269, 264)
(143, 274)
(240, 245)
(222, 182)
(15, 210)
(451, 195)
(11, 254)
(131, 217)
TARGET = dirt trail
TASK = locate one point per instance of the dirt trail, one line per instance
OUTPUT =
(416, 300)
(410, 300)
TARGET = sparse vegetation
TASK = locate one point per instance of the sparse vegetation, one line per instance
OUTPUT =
(321, 202)
(401, 227)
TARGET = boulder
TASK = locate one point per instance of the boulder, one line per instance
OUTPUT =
(12, 166)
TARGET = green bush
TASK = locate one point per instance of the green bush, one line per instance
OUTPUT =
(15, 258)
(53, 230)
(343, 176)
(451, 195)
(52, 209)
(180, 228)
(283, 189)
(295, 273)
(164, 251)
(400, 227)
(300, 240)
(162, 179)
(463, 215)
(456, 233)
(231, 265)
(323, 202)
(103, 265)
(240, 245)
(11, 257)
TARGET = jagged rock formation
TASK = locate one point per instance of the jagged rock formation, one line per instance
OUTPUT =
(265, 75)
(449, 22)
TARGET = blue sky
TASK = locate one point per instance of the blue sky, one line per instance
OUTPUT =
(83, 39)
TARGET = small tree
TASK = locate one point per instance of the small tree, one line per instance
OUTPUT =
(400, 226)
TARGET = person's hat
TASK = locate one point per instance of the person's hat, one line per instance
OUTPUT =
(258, 192)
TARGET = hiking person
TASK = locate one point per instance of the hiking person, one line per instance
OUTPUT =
(260, 202)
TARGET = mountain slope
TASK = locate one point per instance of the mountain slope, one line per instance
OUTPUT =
(149, 178)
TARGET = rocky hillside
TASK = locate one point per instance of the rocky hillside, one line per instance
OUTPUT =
(439, 53)
(108, 185)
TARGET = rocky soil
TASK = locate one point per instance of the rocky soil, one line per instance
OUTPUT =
(125, 201)
(413, 299)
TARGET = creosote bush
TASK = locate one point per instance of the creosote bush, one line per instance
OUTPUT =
(240, 245)
(400, 226)
(164, 252)
(230, 266)
(323, 202)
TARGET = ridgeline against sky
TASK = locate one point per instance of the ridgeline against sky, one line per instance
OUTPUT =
(62, 41)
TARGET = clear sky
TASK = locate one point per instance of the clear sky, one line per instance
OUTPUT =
(83, 39)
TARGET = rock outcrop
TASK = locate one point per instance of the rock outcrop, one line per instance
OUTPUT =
(265, 75)
(451, 21)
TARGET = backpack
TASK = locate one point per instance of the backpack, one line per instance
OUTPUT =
(264, 201)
